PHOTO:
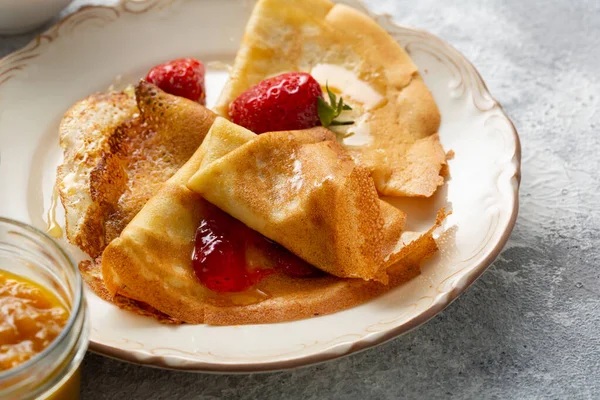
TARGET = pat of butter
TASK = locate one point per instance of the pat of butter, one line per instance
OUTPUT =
(359, 133)
(347, 83)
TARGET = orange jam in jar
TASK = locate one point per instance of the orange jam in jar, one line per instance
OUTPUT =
(31, 317)
(43, 317)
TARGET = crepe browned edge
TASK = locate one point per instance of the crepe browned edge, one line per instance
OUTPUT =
(91, 272)
(135, 160)
(151, 262)
(138, 156)
(84, 133)
(404, 155)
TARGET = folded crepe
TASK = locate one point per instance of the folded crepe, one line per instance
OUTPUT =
(396, 118)
(150, 262)
(301, 190)
(119, 148)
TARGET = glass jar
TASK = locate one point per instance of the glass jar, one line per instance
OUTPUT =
(53, 373)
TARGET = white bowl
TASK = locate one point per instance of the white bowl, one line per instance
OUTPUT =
(18, 16)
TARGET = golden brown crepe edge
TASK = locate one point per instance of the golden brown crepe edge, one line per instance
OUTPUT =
(92, 275)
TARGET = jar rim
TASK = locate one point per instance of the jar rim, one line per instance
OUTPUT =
(74, 312)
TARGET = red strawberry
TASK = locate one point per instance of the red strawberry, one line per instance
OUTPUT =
(183, 77)
(289, 101)
(285, 102)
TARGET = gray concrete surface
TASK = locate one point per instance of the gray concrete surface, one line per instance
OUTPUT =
(530, 327)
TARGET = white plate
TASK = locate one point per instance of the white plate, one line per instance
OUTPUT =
(92, 48)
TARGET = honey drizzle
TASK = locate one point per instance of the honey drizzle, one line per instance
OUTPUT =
(53, 228)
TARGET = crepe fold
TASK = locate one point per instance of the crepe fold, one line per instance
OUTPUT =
(129, 166)
(301, 190)
(150, 261)
(396, 117)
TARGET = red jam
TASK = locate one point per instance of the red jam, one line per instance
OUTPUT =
(225, 251)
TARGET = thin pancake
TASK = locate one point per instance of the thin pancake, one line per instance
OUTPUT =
(395, 134)
(301, 190)
(296, 298)
(151, 262)
(145, 152)
(84, 135)
(119, 149)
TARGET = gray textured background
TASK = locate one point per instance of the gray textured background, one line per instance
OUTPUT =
(530, 327)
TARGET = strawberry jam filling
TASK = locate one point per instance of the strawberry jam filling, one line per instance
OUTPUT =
(226, 250)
